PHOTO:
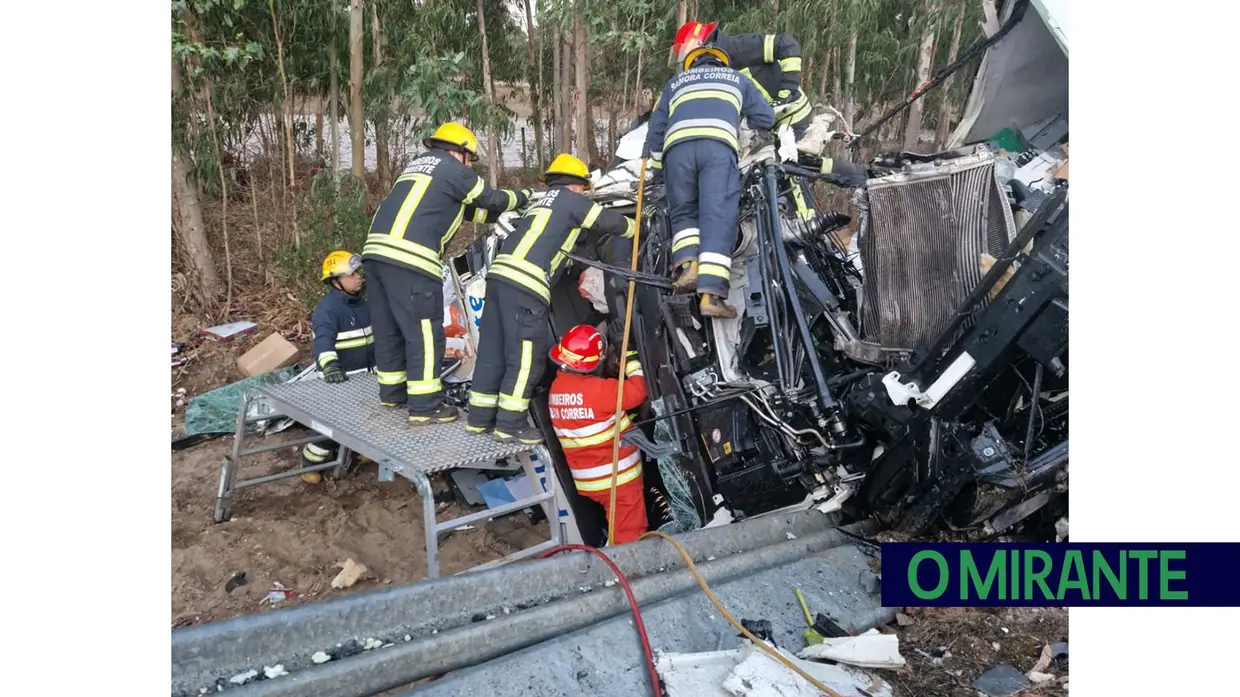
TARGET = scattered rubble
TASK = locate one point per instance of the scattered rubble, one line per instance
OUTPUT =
(872, 649)
(274, 672)
(350, 573)
(1000, 681)
(320, 657)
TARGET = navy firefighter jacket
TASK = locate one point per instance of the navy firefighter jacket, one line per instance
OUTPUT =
(341, 325)
(705, 102)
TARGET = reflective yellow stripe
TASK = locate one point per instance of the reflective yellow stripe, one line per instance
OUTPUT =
(480, 215)
(592, 216)
(512, 199)
(412, 199)
(605, 483)
(789, 65)
(354, 343)
(799, 112)
(456, 224)
(762, 90)
(326, 357)
(714, 270)
(514, 401)
(474, 192)
(705, 94)
(691, 241)
(768, 48)
(828, 164)
(405, 245)
(802, 205)
(700, 132)
(569, 243)
(632, 367)
(429, 359)
(655, 164)
(391, 378)
(483, 401)
(599, 438)
(403, 257)
(521, 279)
(420, 387)
(540, 218)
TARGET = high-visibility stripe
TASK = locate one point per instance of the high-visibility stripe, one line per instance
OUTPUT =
(521, 279)
(353, 333)
(385, 251)
(429, 359)
(626, 463)
(690, 124)
(595, 211)
(714, 270)
(456, 225)
(569, 243)
(704, 94)
(605, 483)
(708, 85)
(632, 368)
(657, 156)
(629, 228)
(800, 108)
(789, 65)
(326, 357)
(354, 343)
(474, 192)
(715, 258)
(480, 215)
(421, 387)
(587, 431)
(514, 401)
(656, 164)
(391, 378)
(768, 48)
(828, 164)
(540, 216)
(483, 401)
(404, 245)
(412, 200)
(715, 133)
(512, 199)
(689, 237)
(798, 197)
(605, 436)
(762, 90)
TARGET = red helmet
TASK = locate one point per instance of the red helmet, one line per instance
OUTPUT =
(579, 350)
(692, 30)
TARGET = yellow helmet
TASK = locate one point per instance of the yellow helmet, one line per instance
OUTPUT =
(701, 51)
(340, 263)
(454, 136)
(566, 165)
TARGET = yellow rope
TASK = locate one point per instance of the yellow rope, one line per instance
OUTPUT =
(697, 575)
(624, 351)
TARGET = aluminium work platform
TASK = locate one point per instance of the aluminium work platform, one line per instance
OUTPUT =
(349, 413)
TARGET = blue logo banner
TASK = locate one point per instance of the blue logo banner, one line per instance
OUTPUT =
(1110, 574)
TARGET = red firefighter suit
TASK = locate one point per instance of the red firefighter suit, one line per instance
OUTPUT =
(583, 415)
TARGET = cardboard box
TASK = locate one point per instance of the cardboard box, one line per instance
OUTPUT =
(271, 353)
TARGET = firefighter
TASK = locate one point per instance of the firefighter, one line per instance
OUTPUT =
(773, 63)
(516, 330)
(583, 405)
(402, 260)
(342, 337)
(693, 136)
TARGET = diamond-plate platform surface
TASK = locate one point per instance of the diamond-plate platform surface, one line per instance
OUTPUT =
(354, 417)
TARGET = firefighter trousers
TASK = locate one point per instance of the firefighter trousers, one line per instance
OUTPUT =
(630, 509)
(512, 357)
(704, 198)
(406, 310)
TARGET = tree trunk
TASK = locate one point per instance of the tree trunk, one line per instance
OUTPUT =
(848, 79)
(595, 155)
(826, 72)
(357, 118)
(566, 84)
(534, 73)
(333, 109)
(193, 232)
(945, 104)
(585, 126)
(318, 129)
(639, 103)
(613, 135)
(925, 56)
(219, 162)
(492, 145)
(682, 15)
(836, 95)
(286, 110)
(557, 91)
(383, 161)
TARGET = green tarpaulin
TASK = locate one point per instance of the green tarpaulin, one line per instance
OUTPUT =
(216, 411)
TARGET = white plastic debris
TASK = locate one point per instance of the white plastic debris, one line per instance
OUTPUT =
(1038, 678)
(320, 657)
(243, 678)
(371, 643)
(408, 637)
(873, 649)
(609, 584)
(748, 672)
(790, 536)
(274, 671)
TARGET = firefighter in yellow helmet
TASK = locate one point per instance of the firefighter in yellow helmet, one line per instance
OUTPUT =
(342, 337)
(403, 263)
(516, 329)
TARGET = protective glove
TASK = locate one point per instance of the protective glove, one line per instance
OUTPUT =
(333, 374)
(786, 96)
(657, 177)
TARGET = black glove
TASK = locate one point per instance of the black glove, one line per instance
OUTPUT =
(657, 177)
(786, 96)
(333, 374)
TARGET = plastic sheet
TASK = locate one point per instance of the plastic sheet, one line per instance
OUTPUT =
(684, 513)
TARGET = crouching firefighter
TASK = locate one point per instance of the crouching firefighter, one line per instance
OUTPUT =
(583, 406)
(342, 338)
(403, 265)
(693, 136)
(516, 329)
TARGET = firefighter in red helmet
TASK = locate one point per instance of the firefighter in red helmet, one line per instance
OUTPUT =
(583, 405)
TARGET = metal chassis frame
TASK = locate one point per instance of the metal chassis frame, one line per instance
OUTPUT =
(387, 468)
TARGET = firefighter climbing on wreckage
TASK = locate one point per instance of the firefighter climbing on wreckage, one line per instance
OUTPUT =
(582, 404)
(693, 135)
(403, 262)
(342, 338)
(516, 332)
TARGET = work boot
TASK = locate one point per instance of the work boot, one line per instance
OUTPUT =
(714, 306)
(393, 404)
(526, 436)
(312, 477)
(687, 281)
(446, 413)
(473, 428)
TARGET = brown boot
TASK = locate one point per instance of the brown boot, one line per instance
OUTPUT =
(687, 281)
(714, 306)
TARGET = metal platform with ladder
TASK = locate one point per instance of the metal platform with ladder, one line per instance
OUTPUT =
(349, 413)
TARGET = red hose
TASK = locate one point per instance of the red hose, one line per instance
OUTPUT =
(637, 614)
